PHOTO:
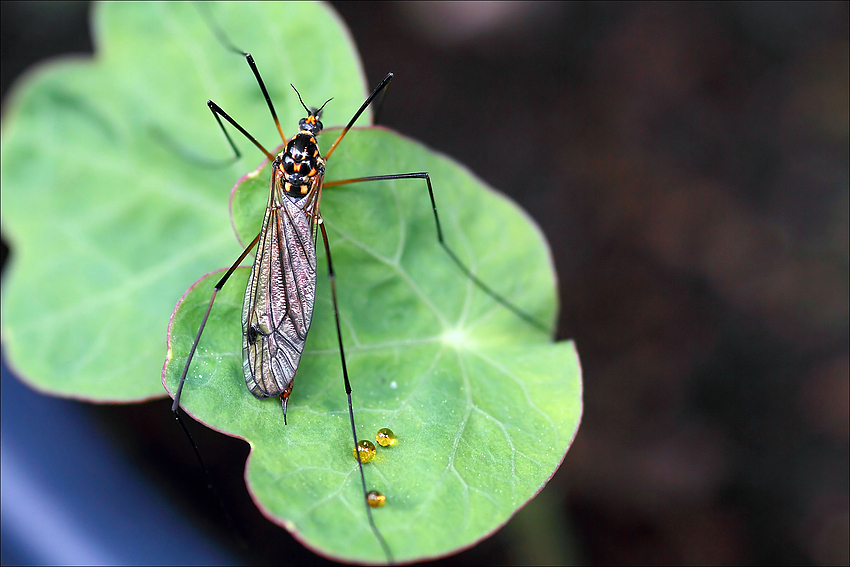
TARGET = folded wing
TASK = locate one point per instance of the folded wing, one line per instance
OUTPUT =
(279, 299)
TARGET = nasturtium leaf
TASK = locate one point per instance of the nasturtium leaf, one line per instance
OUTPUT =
(484, 405)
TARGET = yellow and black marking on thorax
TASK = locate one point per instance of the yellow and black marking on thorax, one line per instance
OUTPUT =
(300, 164)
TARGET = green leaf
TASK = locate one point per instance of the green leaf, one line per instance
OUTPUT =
(109, 225)
(483, 404)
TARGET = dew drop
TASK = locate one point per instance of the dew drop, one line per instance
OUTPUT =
(375, 499)
(366, 449)
(385, 437)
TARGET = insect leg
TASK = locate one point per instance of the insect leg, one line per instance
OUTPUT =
(217, 111)
(175, 406)
(163, 138)
(222, 38)
(218, 286)
(332, 279)
(463, 268)
(379, 90)
(379, 102)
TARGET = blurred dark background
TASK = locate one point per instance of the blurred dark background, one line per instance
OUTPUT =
(689, 165)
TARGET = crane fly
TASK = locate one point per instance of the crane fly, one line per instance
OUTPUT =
(281, 291)
(278, 307)
(280, 295)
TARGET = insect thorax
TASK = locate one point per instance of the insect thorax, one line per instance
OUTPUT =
(300, 163)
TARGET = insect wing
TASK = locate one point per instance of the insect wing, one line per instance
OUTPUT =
(279, 299)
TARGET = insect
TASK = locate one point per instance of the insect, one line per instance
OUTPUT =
(280, 294)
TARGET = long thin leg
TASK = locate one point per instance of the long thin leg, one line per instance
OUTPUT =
(187, 154)
(332, 279)
(218, 114)
(379, 103)
(225, 41)
(218, 286)
(175, 406)
(217, 111)
(378, 90)
(481, 285)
